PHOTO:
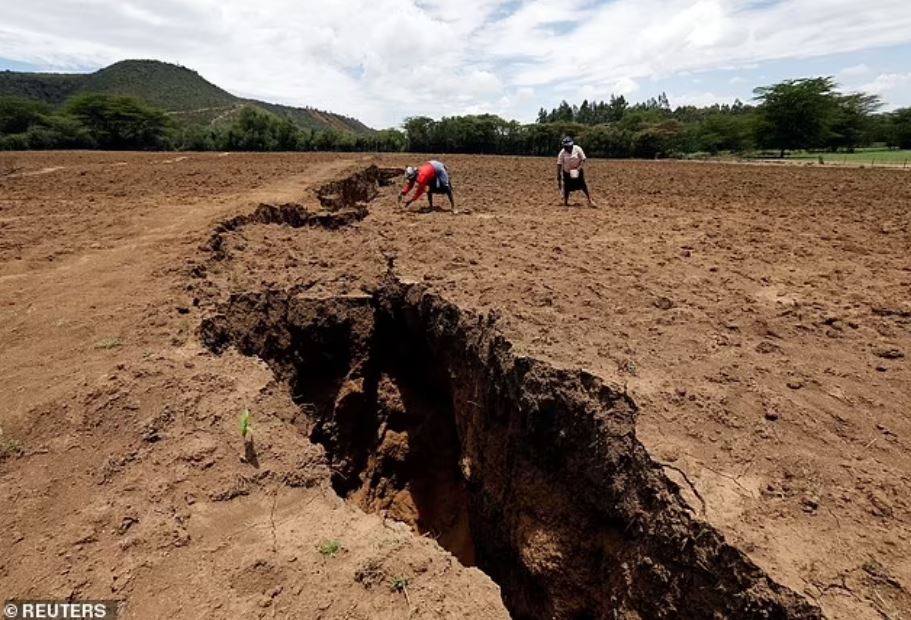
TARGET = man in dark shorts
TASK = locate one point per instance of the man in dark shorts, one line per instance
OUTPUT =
(433, 178)
(570, 175)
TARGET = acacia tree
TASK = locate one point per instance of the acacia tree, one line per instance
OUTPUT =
(120, 122)
(17, 114)
(796, 114)
(852, 121)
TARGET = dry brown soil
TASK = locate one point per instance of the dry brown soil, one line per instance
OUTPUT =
(751, 325)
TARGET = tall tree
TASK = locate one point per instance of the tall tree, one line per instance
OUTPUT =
(851, 122)
(584, 115)
(254, 130)
(616, 108)
(796, 114)
(120, 122)
(420, 133)
(898, 129)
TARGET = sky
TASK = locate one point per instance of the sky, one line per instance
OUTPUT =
(384, 60)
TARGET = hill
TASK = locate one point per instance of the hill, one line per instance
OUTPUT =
(182, 92)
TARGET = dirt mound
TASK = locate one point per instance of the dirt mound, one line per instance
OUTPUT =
(532, 473)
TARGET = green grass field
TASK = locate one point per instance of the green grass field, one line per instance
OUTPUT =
(861, 157)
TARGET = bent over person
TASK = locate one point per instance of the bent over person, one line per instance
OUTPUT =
(570, 175)
(433, 178)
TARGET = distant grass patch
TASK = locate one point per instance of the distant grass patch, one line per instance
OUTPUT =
(107, 344)
(860, 157)
(873, 156)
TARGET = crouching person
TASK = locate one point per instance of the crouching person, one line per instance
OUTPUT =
(432, 178)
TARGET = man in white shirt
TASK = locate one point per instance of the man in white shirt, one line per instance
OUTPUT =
(570, 175)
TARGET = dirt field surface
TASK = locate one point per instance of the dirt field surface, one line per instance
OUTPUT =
(691, 402)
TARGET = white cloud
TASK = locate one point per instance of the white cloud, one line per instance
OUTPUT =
(662, 37)
(892, 87)
(381, 60)
(854, 71)
(696, 99)
(624, 86)
(885, 82)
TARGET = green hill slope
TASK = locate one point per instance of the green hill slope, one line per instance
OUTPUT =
(189, 97)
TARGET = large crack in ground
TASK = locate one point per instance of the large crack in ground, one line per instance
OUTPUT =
(532, 473)
(342, 203)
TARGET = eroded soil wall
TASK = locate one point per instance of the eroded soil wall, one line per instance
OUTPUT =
(532, 473)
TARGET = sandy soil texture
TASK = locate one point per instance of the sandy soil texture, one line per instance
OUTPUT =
(690, 402)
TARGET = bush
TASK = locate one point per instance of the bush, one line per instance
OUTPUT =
(14, 142)
(18, 114)
(607, 141)
(386, 141)
(287, 136)
(197, 138)
(42, 138)
(70, 133)
(663, 140)
(253, 130)
(723, 132)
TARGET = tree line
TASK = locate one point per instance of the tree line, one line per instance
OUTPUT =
(801, 114)
(98, 121)
(808, 113)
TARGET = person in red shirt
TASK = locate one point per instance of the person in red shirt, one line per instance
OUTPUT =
(433, 178)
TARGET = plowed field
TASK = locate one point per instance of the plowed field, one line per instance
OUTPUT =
(693, 401)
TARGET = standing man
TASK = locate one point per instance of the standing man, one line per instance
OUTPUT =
(433, 178)
(570, 175)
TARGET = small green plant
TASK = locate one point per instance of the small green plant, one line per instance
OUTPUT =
(109, 343)
(330, 548)
(246, 423)
(399, 584)
(8, 446)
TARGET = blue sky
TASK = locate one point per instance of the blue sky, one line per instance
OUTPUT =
(886, 71)
(383, 60)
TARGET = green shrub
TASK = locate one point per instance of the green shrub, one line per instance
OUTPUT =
(121, 122)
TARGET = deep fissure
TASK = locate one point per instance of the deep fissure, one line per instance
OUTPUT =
(532, 473)
(342, 203)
